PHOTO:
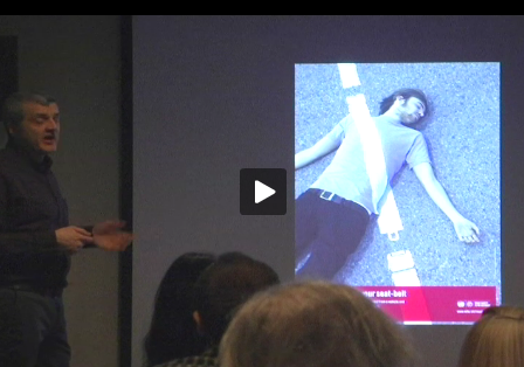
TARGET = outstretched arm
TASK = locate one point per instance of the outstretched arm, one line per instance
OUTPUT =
(324, 146)
(466, 230)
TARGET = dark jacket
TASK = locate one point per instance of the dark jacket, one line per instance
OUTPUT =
(31, 209)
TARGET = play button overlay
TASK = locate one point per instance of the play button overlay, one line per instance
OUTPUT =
(263, 191)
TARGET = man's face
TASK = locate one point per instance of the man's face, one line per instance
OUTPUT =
(40, 128)
(411, 110)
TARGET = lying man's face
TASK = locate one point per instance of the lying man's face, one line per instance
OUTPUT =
(410, 110)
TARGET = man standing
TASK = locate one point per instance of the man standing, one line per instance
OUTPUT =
(36, 239)
(332, 215)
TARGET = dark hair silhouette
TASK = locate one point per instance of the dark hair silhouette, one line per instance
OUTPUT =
(406, 93)
(225, 286)
(173, 333)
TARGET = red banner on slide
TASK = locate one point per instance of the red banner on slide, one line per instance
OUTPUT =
(439, 305)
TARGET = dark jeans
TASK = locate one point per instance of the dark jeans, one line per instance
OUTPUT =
(328, 231)
(32, 329)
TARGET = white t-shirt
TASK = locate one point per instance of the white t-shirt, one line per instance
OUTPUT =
(348, 174)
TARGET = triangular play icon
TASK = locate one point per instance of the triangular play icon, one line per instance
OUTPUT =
(262, 192)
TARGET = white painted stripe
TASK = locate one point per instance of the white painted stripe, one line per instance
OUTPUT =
(406, 278)
(348, 75)
(389, 221)
(402, 267)
(371, 145)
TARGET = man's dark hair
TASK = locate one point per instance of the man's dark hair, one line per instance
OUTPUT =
(226, 285)
(406, 93)
(12, 113)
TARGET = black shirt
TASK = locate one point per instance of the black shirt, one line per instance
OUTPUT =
(31, 209)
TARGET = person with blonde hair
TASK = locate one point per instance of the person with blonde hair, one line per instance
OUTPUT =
(496, 340)
(313, 324)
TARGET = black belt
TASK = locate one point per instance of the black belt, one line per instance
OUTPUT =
(43, 291)
(329, 196)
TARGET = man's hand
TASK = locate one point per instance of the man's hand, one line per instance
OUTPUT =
(110, 237)
(73, 238)
(466, 231)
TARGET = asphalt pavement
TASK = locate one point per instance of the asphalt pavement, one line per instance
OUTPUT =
(463, 135)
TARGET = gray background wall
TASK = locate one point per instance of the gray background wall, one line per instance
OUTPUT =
(77, 60)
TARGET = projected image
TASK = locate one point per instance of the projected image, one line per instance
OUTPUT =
(397, 184)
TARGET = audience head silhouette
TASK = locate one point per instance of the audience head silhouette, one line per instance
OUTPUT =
(224, 286)
(313, 324)
(496, 340)
(173, 332)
